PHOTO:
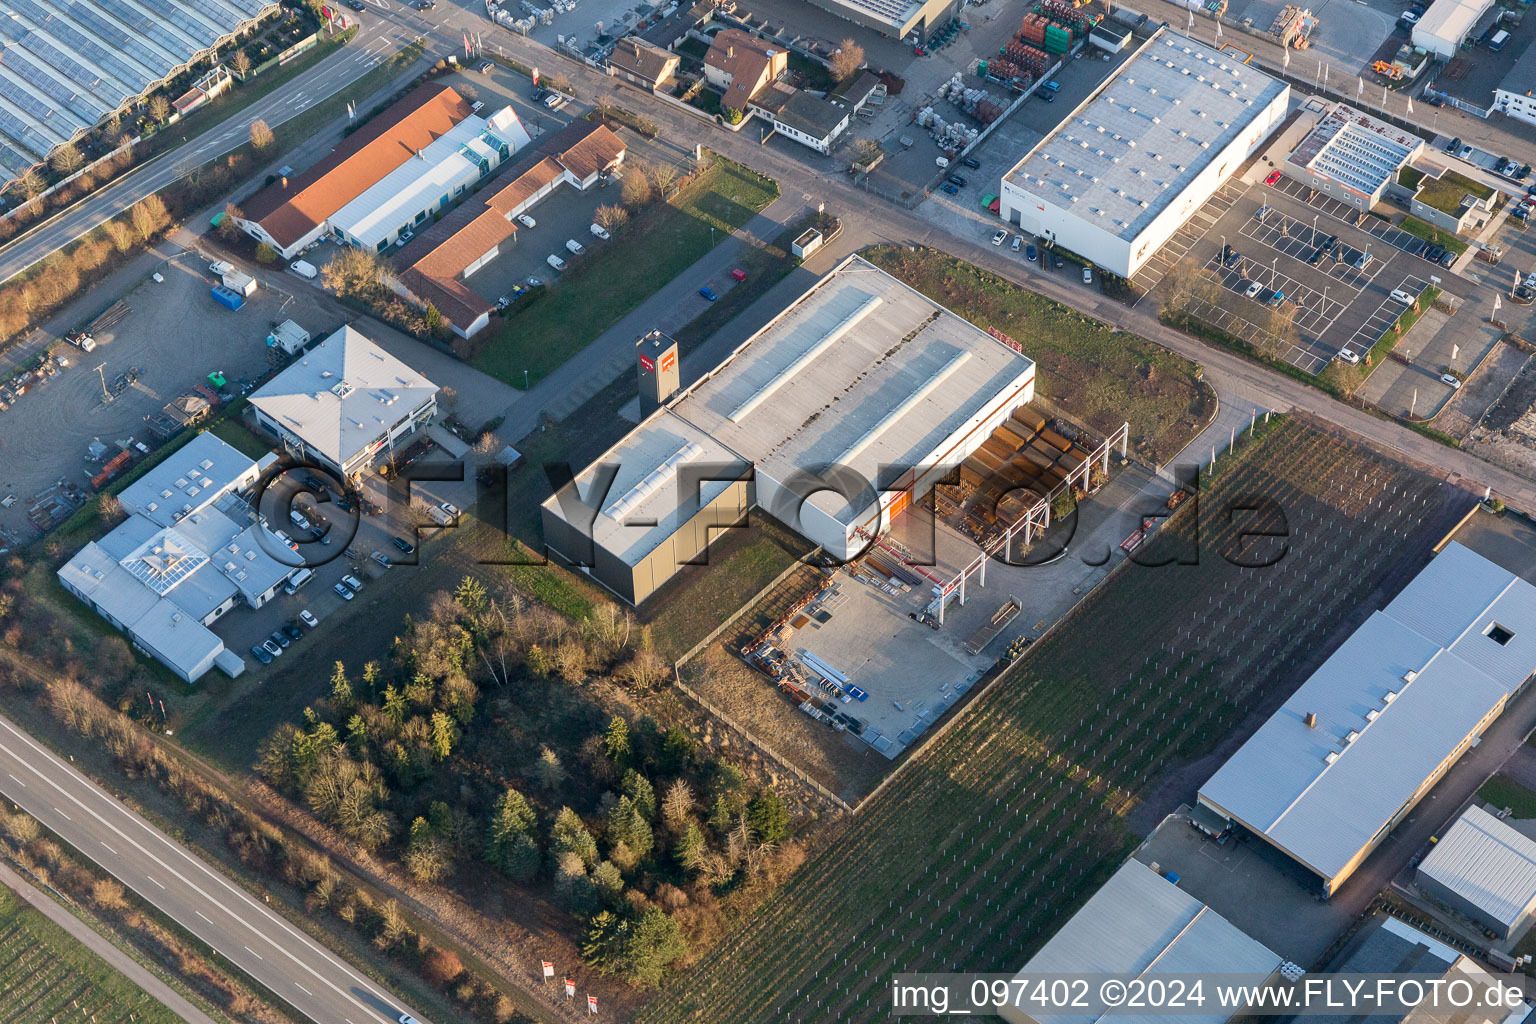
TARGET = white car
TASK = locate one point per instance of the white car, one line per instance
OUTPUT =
(308, 619)
(1018, 242)
(527, 221)
(1349, 356)
(575, 247)
(406, 1018)
(343, 592)
(1253, 288)
(450, 508)
(353, 582)
(220, 268)
(1087, 275)
(1448, 379)
(1000, 238)
(555, 262)
(601, 232)
(1408, 18)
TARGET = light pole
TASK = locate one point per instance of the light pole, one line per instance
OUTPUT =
(1324, 308)
(1274, 272)
(1314, 227)
(525, 380)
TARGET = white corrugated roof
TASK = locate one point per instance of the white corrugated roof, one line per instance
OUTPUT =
(1450, 20)
(1486, 863)
(1392, 703)
(343, 394)
(1141, 923)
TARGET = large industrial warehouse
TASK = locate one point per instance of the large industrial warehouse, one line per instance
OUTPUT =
(860, 374)
(1359, 744)
(1122, 172)
(68, 65)
(1142, 924)
(1484, 869)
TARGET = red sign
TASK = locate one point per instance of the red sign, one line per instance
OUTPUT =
(669, 361)
(591, 1004)
(549, 969)
(570, 988)
(647, 364)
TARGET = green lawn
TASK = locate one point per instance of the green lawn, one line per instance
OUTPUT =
(45, 975)
(607, 284)
(1433, 235)
(1446, 192)
(1501, 792)
(1104, 376)
(235, 434)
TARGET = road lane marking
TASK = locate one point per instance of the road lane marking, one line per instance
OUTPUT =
(301, 988)
(253, 953)
(157, 881)
(91, 789)
(199, 913)
(18, 782)
(110, 850)
(62, 814)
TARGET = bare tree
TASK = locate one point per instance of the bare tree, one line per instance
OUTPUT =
(559, 82)
(228, 229)
(240, 63)
(611, 216)
(66, 159)
(663, 176)
(865, 150)
(637, 190)
(159, 108)
(261, 135)
(148, 216)
(31, 182)
(354, 272)
(847, 61)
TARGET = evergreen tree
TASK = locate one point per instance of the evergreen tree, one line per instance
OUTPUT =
(616, 741)
(569, 834)
(691, 847)
(639, 789)
(768, 816)
(444, 735)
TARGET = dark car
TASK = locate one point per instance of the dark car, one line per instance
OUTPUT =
(260, 655)
(708, 294)
(404, 545)
(1446, 258)
(949, 190)
(1046, 95)
(279, 638)
(1433, 252)
(1031, 254)
(1057, 262)
(1230, 257)
(357, 5)
(972, 163)
(292, 631)
(955, 179)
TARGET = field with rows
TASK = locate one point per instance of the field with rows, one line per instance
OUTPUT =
(46, 977)
(982, 846)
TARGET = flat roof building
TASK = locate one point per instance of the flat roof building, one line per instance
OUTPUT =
(1354, 749)
(907, 20)
(344, 403)
(190, 550)
(296, 210)
(399, 204)
(70, 66)
(1141, 924)
(1446, 24)
(861, 374)
(1516, 94)
(1128, 167)
(1352, 156)
(1485, 870)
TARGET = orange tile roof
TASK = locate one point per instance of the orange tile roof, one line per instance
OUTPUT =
(641, 59)
(747, 59)
(289, 209)
(598, 149)
(517, 191)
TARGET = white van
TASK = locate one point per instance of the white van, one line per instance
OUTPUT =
(304, 269)
(297, 580)
(556, 262)
(1398, 295)
(1499, 39)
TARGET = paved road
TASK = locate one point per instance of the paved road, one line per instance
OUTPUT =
(164, 873)
(114, 957)
(377, 38)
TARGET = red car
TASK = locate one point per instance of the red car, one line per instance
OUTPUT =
(919, 51)
(1274, 176)
(738, 274)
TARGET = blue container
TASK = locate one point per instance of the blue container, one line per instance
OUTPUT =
(227, 297)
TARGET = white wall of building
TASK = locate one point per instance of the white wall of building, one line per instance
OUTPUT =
(1035, 215)
(1516, 104)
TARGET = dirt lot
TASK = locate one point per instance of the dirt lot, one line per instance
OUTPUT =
(1507, 436)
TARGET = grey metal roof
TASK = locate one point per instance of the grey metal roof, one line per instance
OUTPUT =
(1351, 146)
(1141, 923)
(862, 372)
(1121, 158)
(196, 476)
(1392, 703)
(1521, 79)
(1486, 863)
(343, 394)
(1449, 20)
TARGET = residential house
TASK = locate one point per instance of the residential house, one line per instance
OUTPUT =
(742, 66)
(639, 63)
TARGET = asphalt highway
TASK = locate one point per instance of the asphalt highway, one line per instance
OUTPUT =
(240, 928)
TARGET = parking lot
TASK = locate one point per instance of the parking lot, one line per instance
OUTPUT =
(47, 430)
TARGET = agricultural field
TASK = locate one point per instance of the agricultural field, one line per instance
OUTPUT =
(46, 977)
(987, 840)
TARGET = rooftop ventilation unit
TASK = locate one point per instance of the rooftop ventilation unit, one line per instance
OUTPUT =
(1373, 714)
(653, 480)
(1332, 756)
(1410, 676)
(1311, 720)
(1351, 736)
(1389, 697)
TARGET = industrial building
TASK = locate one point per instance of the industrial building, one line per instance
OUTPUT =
(345, 403)
(1124, 170)
(395, 207)
(1447, 24)
(1485, 870)
(1352, 156)
(1142, 924)
(911, 21)
(1359, 744)
(1516, 94)
(190, 550)
(837, 415)
(68, 65)
(434, 268)
(296, 210)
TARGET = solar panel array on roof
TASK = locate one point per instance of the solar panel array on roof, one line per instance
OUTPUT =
(71, 99)
(141, 22)
(45, 22)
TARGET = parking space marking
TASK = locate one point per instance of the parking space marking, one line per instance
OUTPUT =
(1384, 316)
(1395, 237)
(1178, 246)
